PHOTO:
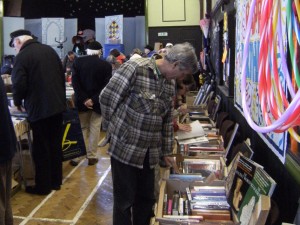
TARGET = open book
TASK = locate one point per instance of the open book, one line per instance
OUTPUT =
(197, 131)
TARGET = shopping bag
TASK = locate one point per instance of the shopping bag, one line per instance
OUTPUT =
(73, 144)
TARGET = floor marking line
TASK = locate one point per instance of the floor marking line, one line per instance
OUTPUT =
(87, 201)
(44, 219)
(48, 197)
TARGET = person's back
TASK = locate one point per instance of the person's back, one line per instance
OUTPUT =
(38, 79)
(68, 62)
(44, 91)
(92, 74)
(113, 62)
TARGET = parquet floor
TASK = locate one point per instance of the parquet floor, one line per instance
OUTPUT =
(84, 199)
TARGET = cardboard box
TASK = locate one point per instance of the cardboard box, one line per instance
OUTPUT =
(169, 186)
(259, 215)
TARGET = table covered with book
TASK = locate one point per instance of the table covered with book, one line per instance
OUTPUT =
(209, 190)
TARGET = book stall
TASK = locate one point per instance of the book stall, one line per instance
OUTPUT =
(209, 189)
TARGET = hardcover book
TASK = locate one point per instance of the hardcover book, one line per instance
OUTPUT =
(250, 182)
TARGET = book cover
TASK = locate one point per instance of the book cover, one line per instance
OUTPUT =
(242, 179)
(250, 182)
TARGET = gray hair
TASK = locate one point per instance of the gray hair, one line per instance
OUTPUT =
(184, 54)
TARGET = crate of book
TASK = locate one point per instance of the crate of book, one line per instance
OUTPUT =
(243, 197)
(208, 145)
(198, 168)
(184, 202)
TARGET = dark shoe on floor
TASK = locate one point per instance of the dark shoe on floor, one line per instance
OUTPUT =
(92, 161)
(36, 191)
(56, 187)
(73, 163)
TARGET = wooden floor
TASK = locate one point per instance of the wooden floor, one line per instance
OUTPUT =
(84, 199)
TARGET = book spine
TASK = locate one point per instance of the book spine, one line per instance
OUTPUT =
(187, 208)
(175, 208)
(181, 206)
(170, 201)
(188, 193)
(165, 204)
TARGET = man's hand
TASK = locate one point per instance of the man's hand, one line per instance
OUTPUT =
(89, 103)
(170, 162)
(184, 127)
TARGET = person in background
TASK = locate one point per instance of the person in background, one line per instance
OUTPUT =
(7, 64)
(8, 148)
(78, 44)
(121, 58)
(38, 79)
(136, 54)
(90, 75)
(163, 51)
(68, 62)
(180, 108)
(88, 36)
(149, 51)
(113, 62)
(137, 107)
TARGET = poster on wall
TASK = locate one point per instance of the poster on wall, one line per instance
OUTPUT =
(53, 34)
(114, 29)
(277, 142)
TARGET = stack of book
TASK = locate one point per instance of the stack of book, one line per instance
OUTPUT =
(210, 202)
(176, 207)
(207, 145)
(196, 204)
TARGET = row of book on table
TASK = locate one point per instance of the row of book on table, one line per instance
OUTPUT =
(242, 197)
(209, 190)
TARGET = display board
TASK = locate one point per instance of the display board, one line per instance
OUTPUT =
(277, 142)
(114, 29)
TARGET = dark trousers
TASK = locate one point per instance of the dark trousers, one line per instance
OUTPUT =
(133, 191)
(47, 152)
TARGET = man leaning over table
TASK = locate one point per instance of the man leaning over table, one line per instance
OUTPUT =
(136, 106)
(38, 80)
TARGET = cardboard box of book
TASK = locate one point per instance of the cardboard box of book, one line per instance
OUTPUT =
(247, 188)
(174, 207)
(199, 167)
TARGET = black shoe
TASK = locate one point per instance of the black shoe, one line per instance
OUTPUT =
(73, 163)
(56, 187)
(92, 161)
(36, 191)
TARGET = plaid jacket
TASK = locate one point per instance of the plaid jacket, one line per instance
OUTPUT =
(136, 106)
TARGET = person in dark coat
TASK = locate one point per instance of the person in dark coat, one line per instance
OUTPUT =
(7, 151)
(90, 75)
(38, 80)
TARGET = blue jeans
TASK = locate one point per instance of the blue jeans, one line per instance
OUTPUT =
(133, 190)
